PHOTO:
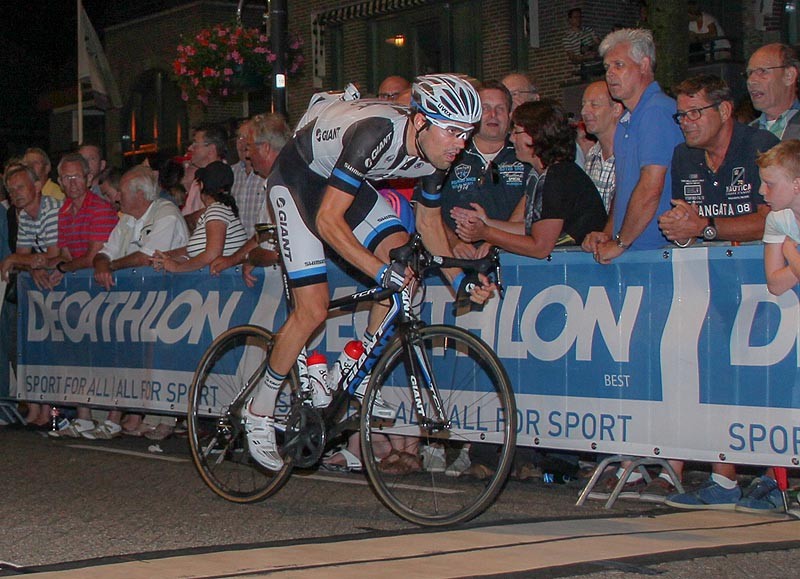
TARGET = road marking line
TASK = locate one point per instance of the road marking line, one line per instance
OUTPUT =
(128, 452)
(336, 479)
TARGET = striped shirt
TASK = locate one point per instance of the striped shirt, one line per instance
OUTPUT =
(93, 222)
(235, 236)
(602, 173)
(248, 190)
(41, 232)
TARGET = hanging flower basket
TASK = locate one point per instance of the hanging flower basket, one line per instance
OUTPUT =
(228, 59)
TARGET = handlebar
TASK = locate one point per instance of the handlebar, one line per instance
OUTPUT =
(414, 255)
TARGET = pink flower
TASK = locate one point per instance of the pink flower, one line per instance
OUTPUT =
(227, 71)
(195, 81)
(212, 46)
(263, 38)
(224, 92)
(184, 95)
(271, 57)
(260, 50)
(190, 50)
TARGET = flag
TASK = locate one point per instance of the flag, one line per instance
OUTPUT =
(93, 66)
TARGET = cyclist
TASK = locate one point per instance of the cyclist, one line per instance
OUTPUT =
(319, 193)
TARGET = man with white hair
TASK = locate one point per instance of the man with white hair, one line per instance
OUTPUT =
(643, 143)
(149, 223)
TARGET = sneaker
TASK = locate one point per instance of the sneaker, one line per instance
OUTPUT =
(160, 432)
(479, 471)
(261, 440)
(72, 429)
(709, 496)
(105, 431)
(762, 496)
(460, 465)
(657, 490)
(181, 428)
(433, 459)
(527, 471)
(605, 487)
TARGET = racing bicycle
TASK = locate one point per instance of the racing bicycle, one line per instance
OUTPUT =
(445, 386)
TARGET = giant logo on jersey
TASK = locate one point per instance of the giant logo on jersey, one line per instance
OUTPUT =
(323, 135)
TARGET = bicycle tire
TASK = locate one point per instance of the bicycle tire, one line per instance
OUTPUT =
(216, 437)
(472, 382)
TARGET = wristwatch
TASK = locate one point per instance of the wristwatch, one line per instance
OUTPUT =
(620, 244)
(710, 230)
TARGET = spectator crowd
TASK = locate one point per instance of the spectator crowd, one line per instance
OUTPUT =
(641, 170)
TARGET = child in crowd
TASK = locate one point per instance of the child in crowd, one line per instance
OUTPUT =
(779, 169)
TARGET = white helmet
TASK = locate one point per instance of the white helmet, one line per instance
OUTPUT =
(446, 97)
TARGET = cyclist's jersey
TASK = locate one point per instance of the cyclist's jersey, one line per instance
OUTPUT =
(358, 140)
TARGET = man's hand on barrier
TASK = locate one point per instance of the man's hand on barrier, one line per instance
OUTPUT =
(682, 222)
(247, 275)
(593, 240)
(104, 277)
(221, 264)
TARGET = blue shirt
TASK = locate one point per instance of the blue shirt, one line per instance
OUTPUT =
(732, 190)
(645, 136)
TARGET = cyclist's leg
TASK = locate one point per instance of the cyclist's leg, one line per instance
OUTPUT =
(304, 261)
(377, 226)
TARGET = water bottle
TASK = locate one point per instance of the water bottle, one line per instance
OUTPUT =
(318, 379)
(349, 356)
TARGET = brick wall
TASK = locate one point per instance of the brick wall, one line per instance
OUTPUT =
(149, 43)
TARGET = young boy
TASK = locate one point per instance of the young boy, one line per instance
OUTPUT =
(779, 169)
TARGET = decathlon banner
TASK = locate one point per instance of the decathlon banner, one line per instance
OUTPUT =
(678, 354)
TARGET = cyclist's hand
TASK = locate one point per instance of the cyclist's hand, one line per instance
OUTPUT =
(475, 288)
(394, 276)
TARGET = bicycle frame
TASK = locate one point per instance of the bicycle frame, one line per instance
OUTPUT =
(400, 320)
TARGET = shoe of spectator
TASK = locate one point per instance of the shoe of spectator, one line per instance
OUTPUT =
(460, 465)
(433, 459)
(261, 440)
(73, 429)
(656, 491)
(180, 428)
(160, 432)
(709, 496)
(104, 431)
(479, 471)
(527, 471)
(606, 485)
(139, 430)
(762, 496)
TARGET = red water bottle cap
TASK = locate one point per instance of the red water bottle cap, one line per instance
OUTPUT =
(354, 348)
(316, 358)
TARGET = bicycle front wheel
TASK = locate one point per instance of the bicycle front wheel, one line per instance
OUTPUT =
(426, 477)
(234, 361)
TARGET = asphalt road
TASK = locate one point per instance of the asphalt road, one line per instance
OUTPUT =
(73, 500)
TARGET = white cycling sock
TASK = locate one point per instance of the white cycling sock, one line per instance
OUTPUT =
(263, 403)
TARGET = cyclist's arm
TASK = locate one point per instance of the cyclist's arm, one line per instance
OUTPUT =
(336, 233)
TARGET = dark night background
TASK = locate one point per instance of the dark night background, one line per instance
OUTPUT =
(38, 56)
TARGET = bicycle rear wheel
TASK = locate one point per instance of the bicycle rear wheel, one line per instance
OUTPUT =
(479, 412)
(236, 359)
